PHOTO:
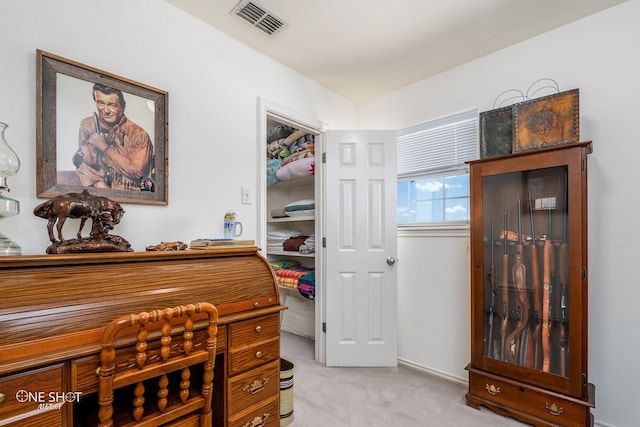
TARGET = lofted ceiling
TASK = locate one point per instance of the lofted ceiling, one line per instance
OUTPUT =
(362, 49)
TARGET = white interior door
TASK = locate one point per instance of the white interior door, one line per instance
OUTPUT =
(360, 231)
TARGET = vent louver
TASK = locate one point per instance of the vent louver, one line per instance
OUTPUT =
(258, 16)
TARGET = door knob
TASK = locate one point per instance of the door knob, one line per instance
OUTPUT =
(391, 260)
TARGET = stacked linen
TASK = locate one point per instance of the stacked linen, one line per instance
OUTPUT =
(292, 275)
(309, 245)
(303, 207)
(291, 156)
(292, 244)
(276, 238)
(306, 207)
(307, 285)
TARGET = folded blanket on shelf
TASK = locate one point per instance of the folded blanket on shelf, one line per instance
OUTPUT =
(276, 238)
(292, 275)
(308, 279)
(289, 282)
(300, 208)
(297, 169)
(294, 271)
(282, 234)
(279, 132)
(278, 213)
(278, 149)
(309, 245)
(293, 243)
(305, 143)
(278, 264)
(297, 156)
(282, 148)
(272, 168)
(307, 291)
(300, 205)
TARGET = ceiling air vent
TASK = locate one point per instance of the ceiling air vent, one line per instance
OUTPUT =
(258, 16)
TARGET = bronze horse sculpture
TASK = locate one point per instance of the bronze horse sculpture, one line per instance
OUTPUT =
(104, 213)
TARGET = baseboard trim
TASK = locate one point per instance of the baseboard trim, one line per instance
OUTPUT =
(431, 371)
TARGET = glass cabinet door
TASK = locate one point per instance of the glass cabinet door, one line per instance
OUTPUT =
(525, 247)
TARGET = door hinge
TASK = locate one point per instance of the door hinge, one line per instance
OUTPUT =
(582, 164)
(324, 327)
(324, 157)
(324, 242)
(584, 272)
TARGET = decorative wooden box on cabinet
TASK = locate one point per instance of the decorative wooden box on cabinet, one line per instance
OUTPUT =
(529, 286)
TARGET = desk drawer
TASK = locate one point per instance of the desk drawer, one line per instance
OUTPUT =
(252, 330)
(248, 389)
(247, 357)
(40, 418)
(42, 385)
(265, 415)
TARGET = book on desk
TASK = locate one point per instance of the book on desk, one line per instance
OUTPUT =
(212, 243)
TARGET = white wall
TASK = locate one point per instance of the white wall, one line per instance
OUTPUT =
(600, 56)
(213, 83)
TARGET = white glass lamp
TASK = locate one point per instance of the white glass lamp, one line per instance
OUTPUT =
(9, 165)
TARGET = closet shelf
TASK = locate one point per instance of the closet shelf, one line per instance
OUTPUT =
(293, 219)
(291, 253)
(294, 183)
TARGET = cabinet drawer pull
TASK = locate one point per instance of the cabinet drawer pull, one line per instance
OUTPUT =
(554, 409)
(258, 329)
(258, 354)
(258, 421)
(256, 386)
(3, 397)
(493, 390)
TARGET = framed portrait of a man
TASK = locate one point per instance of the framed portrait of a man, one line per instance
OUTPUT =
(100, 132)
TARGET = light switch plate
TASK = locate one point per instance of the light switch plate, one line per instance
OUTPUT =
(246, 195)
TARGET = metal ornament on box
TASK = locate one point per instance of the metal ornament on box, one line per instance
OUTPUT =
(496, 125)
(531, 123)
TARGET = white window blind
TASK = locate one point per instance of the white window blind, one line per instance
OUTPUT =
(438, 145)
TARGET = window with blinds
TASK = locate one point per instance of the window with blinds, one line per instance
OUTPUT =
(433, 179)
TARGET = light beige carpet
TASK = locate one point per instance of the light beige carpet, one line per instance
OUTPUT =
(376, 397)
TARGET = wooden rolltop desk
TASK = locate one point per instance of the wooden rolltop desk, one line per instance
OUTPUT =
(54, 308)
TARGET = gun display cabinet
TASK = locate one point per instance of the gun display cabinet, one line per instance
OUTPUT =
(529, 286)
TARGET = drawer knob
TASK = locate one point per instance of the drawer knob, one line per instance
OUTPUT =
(3, 397)
(554, 409)
(256, 304)
(258, 421)
(492, 389)
(256, 386)
(258, 354)
(258, 329)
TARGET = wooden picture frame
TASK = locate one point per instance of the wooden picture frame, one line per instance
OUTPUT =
(69, 117)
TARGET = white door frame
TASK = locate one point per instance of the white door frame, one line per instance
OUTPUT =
(284, 115)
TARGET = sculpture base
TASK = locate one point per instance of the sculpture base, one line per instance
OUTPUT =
(110, 243)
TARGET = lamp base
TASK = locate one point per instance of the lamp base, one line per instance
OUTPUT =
(9, 247)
